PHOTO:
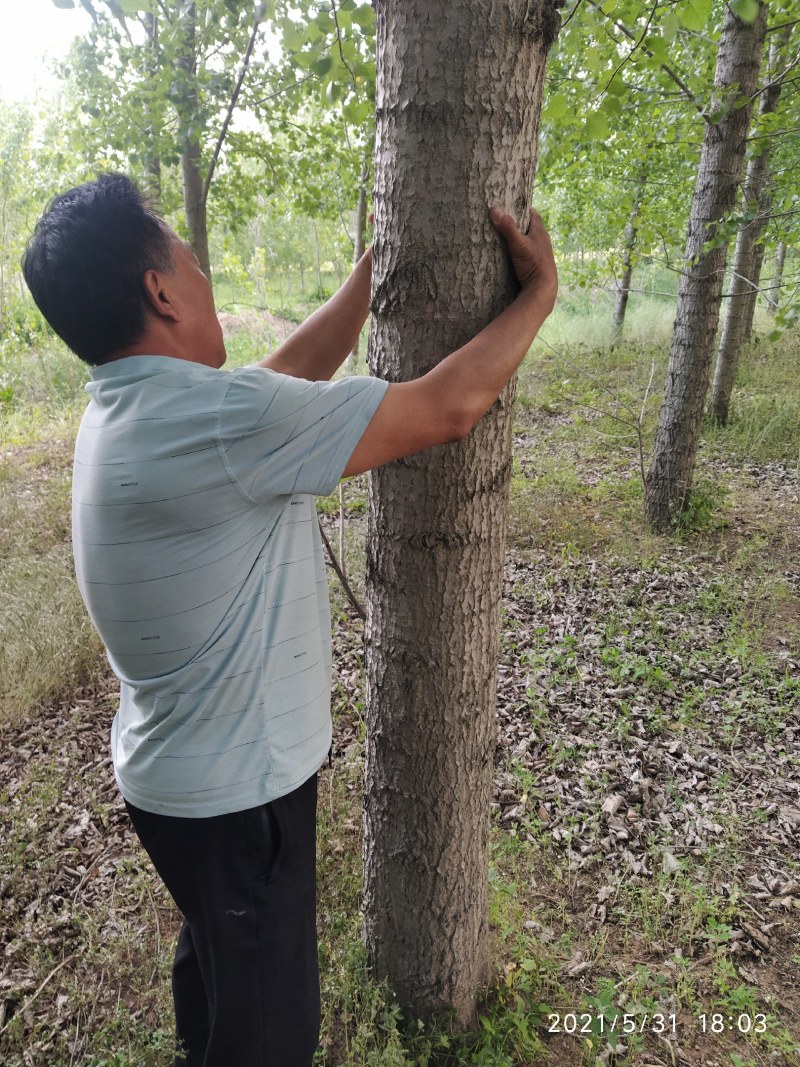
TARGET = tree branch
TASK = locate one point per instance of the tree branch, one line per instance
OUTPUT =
(783, 26)
(234, 97)
(349, 68)
(779, 80)
(687, 92)
(345, 584)
(636, 45)
(335, 13)
(280, 92)
(87, 6)
(571, 15)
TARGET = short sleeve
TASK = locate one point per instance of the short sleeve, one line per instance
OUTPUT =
(280, 435)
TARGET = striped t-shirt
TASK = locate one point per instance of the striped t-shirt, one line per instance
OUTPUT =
(198, 555)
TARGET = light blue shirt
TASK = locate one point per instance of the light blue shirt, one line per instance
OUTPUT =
(198, 554)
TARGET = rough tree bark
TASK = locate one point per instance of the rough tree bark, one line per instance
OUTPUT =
(747, 260)
(678, 435)
(458, 98)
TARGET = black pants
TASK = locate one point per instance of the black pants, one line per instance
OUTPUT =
(245, 978)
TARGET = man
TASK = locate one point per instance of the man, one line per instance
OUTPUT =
(198, 555)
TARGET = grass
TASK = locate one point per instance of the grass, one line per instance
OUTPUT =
(711, 604)
(47, 644)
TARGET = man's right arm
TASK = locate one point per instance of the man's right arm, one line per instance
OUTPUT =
(445, 404)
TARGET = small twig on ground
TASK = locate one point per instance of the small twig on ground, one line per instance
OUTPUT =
(341, 529)
(74, 1048)
(345, 584)
(31, 999)
(91, 871)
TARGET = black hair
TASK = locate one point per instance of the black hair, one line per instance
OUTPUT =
(85, 262)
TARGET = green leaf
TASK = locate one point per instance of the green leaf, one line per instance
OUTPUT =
(670, 25)
(322, 66)
(745, 10)
(325, 22)
(617, 87)
(364, 17)
(596, 126)
(694, 14)
(592, 60)
(64, 3)
(132, 7)
(658, 46)
(293, 36)
(356, 112)
(557, 107)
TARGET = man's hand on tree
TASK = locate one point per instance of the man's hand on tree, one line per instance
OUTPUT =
(531, 253)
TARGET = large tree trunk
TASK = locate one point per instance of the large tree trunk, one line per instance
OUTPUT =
(678, 436)
(773, 299)
(747, 261)
(194, 200)
(458, 99)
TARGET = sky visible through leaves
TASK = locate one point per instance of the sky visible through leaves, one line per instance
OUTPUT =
(32, 35)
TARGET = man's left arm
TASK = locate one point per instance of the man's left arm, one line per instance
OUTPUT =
(318, 347)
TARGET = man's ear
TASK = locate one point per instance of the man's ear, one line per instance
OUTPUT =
(156, 287)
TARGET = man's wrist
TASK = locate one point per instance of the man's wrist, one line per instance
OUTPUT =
(539, 298)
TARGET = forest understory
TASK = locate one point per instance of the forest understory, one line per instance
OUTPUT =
(643, 862)
(645, 883)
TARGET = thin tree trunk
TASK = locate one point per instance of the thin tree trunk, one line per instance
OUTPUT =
(678, 436)
(194, 201)
(319, 263)
(752, 296)
(773, 300)
(195, 205)
(740, 306)
(623, 289)
(458, 97)
(152, 159)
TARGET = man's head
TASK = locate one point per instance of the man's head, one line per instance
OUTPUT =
(113, 279)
